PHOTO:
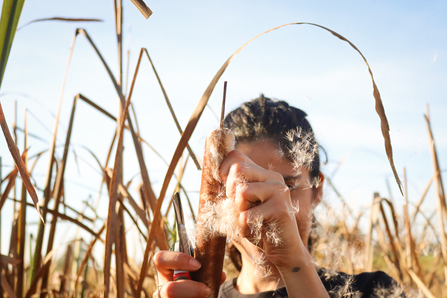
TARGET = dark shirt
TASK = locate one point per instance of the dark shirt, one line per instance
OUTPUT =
(338, 284)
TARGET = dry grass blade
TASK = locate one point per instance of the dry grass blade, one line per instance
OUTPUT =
(392, 241)
(7, 287)
(65, 274)
(88, 101)
(113, 198)
(130, 216)
(49, 174)
(120, 250)
(177, 187)
(9, 186)
(13, 245)
(19, 162)
(9, 260)
(142, 7)
(85, 259)
(22, 224)
(1, 266)
(440, 194)
(40, 273)
(109, 72)
(148, 190)
(168, 102)
(59, 186)
(63, 19)
(140, 212)
(373, 222)
(420, 284)
(412, 259)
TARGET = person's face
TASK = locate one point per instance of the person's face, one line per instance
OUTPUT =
(265, 154)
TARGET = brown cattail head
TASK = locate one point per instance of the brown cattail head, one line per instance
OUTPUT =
(210, 246)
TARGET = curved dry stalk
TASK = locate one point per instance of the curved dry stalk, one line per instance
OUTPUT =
(201, 105)
(199, 110)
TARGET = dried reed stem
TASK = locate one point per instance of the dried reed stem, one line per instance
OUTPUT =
(49, 174)
(85, 259)
(439, 193)
(22, 224)
(58, 191)
(18, 161)
(142, 7)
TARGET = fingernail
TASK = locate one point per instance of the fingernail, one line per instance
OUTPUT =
(207, 292)
(194, 263)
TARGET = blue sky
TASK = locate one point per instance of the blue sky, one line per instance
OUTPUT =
(404, 42)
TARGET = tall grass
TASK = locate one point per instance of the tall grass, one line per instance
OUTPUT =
(390, 244)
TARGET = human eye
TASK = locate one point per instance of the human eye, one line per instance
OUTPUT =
(292, 184)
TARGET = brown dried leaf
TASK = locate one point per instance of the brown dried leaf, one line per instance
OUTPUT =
(19, 162)
(60, 19)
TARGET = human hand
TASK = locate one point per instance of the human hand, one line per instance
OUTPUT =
(267, 217)
(166, 262)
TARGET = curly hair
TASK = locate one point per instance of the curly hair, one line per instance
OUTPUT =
(287, 126)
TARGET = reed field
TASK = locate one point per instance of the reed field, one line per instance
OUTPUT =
(101, 245)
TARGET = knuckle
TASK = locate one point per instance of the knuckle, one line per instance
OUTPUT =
(235, 154)
(237, 168)
(242, 190)
(278, 177)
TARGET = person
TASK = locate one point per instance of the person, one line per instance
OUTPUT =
(278, 157)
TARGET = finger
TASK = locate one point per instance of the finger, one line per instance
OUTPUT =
(249, 195)
(224, 277)
(167, 261)
(253, 222)
(182, 289)
(237, 169)
(235, 156)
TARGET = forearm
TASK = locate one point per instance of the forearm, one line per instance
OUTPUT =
(302, 280)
